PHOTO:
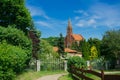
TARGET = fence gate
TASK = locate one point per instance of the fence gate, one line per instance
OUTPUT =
(52, 64)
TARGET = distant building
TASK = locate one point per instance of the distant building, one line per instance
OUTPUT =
(69, 40)
(70, 37)
(70, 51)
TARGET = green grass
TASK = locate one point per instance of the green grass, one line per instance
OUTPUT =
(65, 77)
(32, 75)
(93, 77)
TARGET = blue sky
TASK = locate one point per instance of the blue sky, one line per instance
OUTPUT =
(90, 18)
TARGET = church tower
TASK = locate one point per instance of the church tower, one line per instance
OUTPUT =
(70, 37)
(68, 40)
(69, 28)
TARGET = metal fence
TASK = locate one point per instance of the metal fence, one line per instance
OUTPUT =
(52, 64)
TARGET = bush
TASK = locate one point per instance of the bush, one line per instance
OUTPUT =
(15, 37)
(12, 60)
(77, 62)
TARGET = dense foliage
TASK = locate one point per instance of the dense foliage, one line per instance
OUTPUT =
(77, 62)
(12, 60)
(95, 42)
(14, 12)
(46, 51)
(85, 48)
(15, 37)
(15, 52)
(35, 37)
(110, 47)
(51, 40)
(93, 53)
(61, 46)
(76, 46)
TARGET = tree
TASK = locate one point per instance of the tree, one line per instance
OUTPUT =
(35, 35)
(85, 48)
(60, 45)
(94, 53)
(46, 51)
(95, 42)
(14, 12)
(76, 46)
(51, 40)
(110, 47)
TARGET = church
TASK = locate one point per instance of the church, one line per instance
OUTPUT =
(69, 40)
(70, 37)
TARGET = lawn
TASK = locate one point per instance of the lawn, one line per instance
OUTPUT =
(32, 75)
(65, 77)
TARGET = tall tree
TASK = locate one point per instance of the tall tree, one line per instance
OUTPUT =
(85, 48)
(14, 12)
(61, 45)
(35, 35)
(110, 47)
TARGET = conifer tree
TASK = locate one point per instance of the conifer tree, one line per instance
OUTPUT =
(61, 45)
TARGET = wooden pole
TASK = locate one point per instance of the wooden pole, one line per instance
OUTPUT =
(102, 75)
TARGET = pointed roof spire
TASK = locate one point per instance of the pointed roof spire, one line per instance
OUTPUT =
(69, 23)
(69, 28)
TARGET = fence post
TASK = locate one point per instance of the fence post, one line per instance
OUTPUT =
(65, 65)
(38, 65)
(102, 75)
(82, 72)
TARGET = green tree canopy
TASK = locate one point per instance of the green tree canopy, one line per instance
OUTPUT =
(61, 46)
(95, 42)
(110, 47)
(15, 37)
(46, 51)
(14, 12)
(94, 53)
(51, 40)
(111, 43)
(85, 48)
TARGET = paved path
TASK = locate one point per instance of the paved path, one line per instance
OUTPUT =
(51, 77)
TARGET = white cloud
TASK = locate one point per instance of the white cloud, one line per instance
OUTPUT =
(109, 14)
(91, 21)
(43, 23)
(99, 15)
(36, 11)
(81, 12)
(83, 23)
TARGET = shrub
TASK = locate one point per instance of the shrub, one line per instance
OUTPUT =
(12, 60)
(77, 62)
(15, 37)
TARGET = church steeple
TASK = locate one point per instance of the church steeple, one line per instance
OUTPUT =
(69, 28)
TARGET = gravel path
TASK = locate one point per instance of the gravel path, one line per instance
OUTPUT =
(51, 77)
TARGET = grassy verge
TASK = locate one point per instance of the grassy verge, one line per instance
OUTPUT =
(65, 77)
(32, 75)
(68, 77)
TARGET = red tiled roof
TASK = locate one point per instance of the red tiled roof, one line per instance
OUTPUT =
(66, 50)
(70, 50)
(77, 37)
